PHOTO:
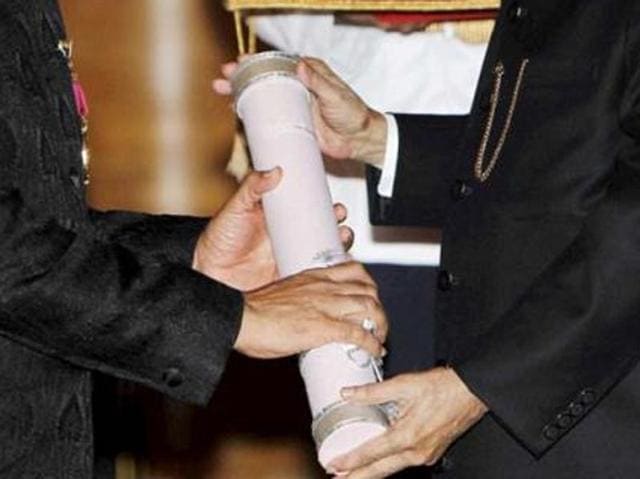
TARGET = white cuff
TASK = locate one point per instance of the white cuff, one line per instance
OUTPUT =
(385, 185)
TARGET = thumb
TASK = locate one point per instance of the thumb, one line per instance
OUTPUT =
(258, 183)
(376, 393)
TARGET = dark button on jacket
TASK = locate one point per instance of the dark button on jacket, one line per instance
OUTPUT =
(460, 190)
(551, 432)
(173, 378)
(587, 397)
(446, 280)
(517, 12)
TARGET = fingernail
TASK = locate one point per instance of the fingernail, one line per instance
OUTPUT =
(347, 393)
(384, 352)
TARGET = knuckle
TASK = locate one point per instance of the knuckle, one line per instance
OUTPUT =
(358, 334)
(405, 440)
(371, 290)
(415, 457)
(370, 303)
(430, 461)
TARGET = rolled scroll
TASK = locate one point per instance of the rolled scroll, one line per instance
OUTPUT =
(274, 107)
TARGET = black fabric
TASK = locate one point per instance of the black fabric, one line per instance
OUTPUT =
(408, 294)
(538, 308)
(428, 204)
(83, 291)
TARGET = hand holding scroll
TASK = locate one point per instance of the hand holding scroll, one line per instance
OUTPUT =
(347, 129)
(282, 318)
(435, 408)
(312, 309)
(235, 248)
(345, 126)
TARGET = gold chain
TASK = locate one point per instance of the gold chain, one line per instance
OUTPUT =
(481, 173)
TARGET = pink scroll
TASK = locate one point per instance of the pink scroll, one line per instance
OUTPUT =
(274, 107)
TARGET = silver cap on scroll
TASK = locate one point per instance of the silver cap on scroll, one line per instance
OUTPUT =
(262, 65)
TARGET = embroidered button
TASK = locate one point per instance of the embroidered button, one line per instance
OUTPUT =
(576, 409)
(551, 433)
(587, 397)
(564, 421)
(460, 190)
(517, 12)
(172, 377)
(446, 280)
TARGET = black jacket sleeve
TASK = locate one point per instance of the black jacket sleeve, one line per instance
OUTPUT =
(168, 237)
(541, 373)
(118, 297)
(425, 173)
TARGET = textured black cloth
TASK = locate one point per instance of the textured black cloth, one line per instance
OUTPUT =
(83, 291)
(538, 307)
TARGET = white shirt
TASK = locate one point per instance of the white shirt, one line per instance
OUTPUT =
(422, 72)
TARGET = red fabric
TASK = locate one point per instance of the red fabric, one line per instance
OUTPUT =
(399, 18)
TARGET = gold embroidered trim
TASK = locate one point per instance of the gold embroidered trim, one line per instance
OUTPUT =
(481, 173)
(469, 31)
(387, 5)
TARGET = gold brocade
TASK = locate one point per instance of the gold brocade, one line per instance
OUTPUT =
(469, 31)
(368, 5)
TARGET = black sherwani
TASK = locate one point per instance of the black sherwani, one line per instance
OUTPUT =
(539, 293)
(81, 290)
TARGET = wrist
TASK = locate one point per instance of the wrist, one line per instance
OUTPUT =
(476, 407)
(239, 344)
(371, 142)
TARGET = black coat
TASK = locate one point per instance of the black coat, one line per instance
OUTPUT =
(539, 293)
(81, 290)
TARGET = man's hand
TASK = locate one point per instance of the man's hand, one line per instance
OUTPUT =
(345, 126)
(235, 248)
(311, 309)
(435, 408)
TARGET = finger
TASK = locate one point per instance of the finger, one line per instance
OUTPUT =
(229, 68)
(369, 307)
(389, 444)
(266, 181)
(340, 211)
(347, 237)
(385, 467)
(349, 271)
(222, 87)
(316, 83)
(325, 71)
(345, 332)
(328, 330)
(377, 393)
(255, 185)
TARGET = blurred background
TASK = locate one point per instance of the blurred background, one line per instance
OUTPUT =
(160, 142)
